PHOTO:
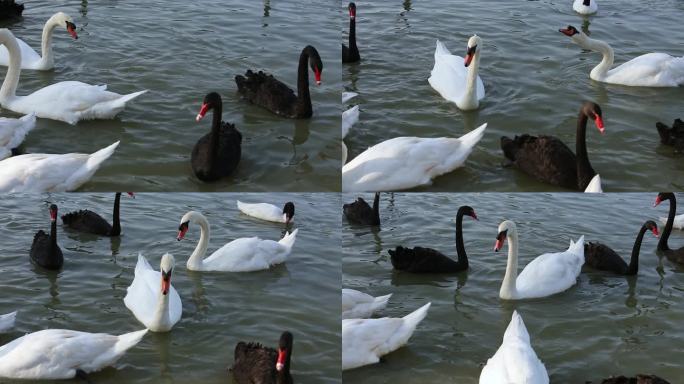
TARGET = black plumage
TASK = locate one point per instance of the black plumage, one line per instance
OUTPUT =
(44, 251)
(351, 54)
(638, 379)
(9, 10)
(359, 212)
(602, 257)
(90, 222)
(674, 255)
(257, 364)
(672, 136)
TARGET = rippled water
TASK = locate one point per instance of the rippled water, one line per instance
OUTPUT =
(180, 51)
(219, 309)
(535, 80)
(605, 325)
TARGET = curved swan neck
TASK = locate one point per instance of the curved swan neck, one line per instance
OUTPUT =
(161, 314)
(460, 247)
(634, 260)
(116, 224)
(47, 59)
(53, 238)
(585, 172)
(470, 100)
(9, 86)
(352, 34)
(599, 72)
(508, 287)
(303, 94)
(662, 244)
(195, 260)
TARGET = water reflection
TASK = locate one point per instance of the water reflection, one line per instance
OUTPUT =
(84, 8)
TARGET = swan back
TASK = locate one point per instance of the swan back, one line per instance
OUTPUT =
(349, 118)
(357, 304)
(250, 254)
(263, 211)
(7, 321)
(13, 132)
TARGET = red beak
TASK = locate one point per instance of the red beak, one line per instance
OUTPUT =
(181, 234)
(280, 363)
(352, 13)
(599, 123)
(131, 194)
(468, 59)
(566, 31)
(203, 111)
(655, 232)
(53, 215)
(474, 216)
(498, 245)
(166, 283)
(317, 75)
(72, 32)
(657, 201)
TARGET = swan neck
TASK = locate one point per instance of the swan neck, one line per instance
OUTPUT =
(662, 244)
(352, 35)
(634, 260)
(584, 170)
(215, 131)
(599, 72)
(161, 313)
(508, 287)
(46, 42)
(195, 260)
(303, 95)
(116, 224)
(53, 238)
(376, 209)
(460, 248)
(470, 96)
(9, 86)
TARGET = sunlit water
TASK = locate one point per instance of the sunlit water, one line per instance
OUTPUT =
(535, 80)
(219, 309)
(180, 51)
(604, 325)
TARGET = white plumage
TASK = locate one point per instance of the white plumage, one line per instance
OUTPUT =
(356, 304)
(454, 81)
(7, 321)
(585, 7)
(263, 211)
(678, 222)
(594, 185)
(13, 132)
(349, 118)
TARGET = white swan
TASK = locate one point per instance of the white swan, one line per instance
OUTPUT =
(156, 305)
(268, 212)
(346, 96)
(349, 118)
(585, 7)
(594, 185)
(546, 275)
(68, 101)
(240, 255)
(407, 162)
(515, 361)
(344, 153)
(36, 172)
(7, 321)
(364, 341)
(30, 59)
(456, 78)
(649, 70)
(60, 354)
(13, 132)
(357, 305)
(678, 222)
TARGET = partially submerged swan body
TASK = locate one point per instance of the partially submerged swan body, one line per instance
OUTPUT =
(601, 257)
(268, 212)
(585, 7)
(88, 221)
(7, 321)
(258, 364)
(456, 79)
(359, 305)
(672, 136)
(13, 132)
(359, 212)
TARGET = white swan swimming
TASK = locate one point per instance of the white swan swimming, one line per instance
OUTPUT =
(455, 78)
(68, 101)
(585, 7)
(364, 341)
(30, 59)
(13, 132)
(649, 70)
(37, 172)
(240, 255)
(515, 361)
(407, 162)
(349, 118)
(346, 96)
(60, 354)
(7, 321)
(594, 185)
(268, 212)
(157, 306)
(359, 305)
(547, 274)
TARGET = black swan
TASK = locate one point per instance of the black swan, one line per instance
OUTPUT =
(674, 255)
(351, 54)
(268, 92)
(217, 153)
(602, 257)
(672, 136)
(639, 379)
(427, 260)
(10, 10)
(548, 159)
(90, 222)
(256, 364)
(360, 212)
(44, 251)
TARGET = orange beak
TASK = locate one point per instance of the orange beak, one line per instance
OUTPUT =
(497, 246)
(71, 28)
(165, 284)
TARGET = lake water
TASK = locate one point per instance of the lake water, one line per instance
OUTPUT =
(180, 51)
(219, 309)
(605, 325)
(535, 80)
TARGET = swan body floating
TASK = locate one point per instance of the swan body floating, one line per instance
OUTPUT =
(594, 185)
(30, 59)
(10, 10)
(255, 363)
(50, 173)
(672, 136)
(359, 305)
(53, 354)
(44, 250)
(546, 275)
(349, 118)
(245, 254)
(455, 78)
(13, 132)
(649, 70)
(68, 101)
(90, 222)
(346, 96)
(359, 212)
(351, 54)
(268, 212)
(515, 361)
(677, 222)
(585, 7)
(601, 257)
(156, 305)
(364, 341)
(7, 321)
(407, 162)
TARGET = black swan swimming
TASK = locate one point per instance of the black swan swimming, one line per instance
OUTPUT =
(256, 364)
(639, 379)
(674, 255)
(674, 136)
(10, 10)
(548, 159)
(44, 251)
(268, 92)
(427, 260)
(602, 257)
(359, 212)
(90, 222)
(351, 54)
(216, 154)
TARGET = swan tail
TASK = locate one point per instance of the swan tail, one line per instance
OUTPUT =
(96, 159)
(414, 318)
(594, 185)
(471, 138)
(126, 98)
(577, 247)
(441, 49)
(380, 302)
(128, 341)
(289, 239)
(28, 122)
(85, 172)
(516, 329)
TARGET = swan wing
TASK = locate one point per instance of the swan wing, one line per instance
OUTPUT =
(29, 57)
(7, 321)
(449, 75)
(649, 70)
(143, 293)
(346, 96)
(349, 118)
(594, 185)
(357, 304)
(263, 211)
(245, 255)
(406, 162)
(13, 132)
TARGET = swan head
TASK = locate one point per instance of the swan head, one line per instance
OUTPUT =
(166, 267)
(504, 227)
(577, 36)
(315, 62)
(211, 101)
(352, 11)
(53, 212)
(185, 223)
(593, 111)
(284, 351)
(64, 20)
(652, 226)
(288, 212)
(473, 47)
(468, 211)
(662, 196)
